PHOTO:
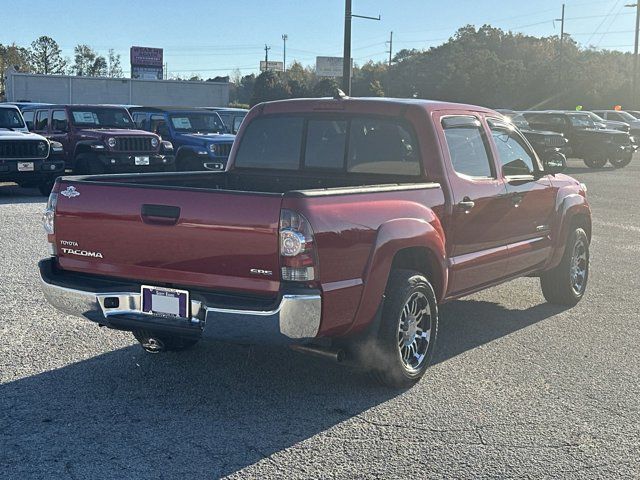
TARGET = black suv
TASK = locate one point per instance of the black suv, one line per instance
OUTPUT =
(548, 145)
(595, 146)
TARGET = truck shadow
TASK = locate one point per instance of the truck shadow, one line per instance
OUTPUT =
(207, 412)
(10, 193)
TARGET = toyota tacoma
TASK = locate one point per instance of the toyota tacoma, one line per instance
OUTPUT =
(338, 228)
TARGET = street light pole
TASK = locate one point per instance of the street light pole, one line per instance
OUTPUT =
(561, 20)
(634, 81)
(285, 37)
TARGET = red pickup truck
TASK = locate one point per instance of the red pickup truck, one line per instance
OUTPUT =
(338, 228)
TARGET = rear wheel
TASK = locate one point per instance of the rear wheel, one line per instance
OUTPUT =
(154, 342)
(620, 162)
(595, 162)
(566, 283)
(408, 330)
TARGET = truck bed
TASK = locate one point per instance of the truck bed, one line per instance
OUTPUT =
(248, 182)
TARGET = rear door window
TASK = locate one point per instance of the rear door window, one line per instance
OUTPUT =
(467, 146)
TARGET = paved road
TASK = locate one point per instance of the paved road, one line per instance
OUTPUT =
(520, 389)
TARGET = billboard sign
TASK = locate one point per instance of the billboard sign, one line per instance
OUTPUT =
(146, 63)
(329, 66)
(277, 66)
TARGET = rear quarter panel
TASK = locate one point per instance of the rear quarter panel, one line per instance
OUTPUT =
(349, 229)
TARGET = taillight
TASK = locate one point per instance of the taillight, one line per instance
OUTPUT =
(297, 249)
(48, 219)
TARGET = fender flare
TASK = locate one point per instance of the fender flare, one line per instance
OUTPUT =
(568, 208)
(392, 237)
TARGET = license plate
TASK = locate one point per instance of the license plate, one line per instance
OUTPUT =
(25, 167)
(167, 302)
(142, 160)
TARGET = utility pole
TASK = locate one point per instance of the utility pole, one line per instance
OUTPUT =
(346, 58)
(266, 57)
(560, 53)
(390, 42)
(285, 37)
(634, 84)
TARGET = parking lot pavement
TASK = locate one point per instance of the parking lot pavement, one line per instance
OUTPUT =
(519, 388)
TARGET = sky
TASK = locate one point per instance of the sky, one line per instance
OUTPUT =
(210, 38)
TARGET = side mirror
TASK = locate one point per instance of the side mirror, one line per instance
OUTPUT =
(556, 163)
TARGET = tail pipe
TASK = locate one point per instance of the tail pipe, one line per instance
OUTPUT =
(336, 355)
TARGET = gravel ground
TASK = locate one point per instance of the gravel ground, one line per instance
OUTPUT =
(519, 389)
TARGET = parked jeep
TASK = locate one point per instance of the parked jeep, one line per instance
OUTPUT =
(27, 159)
(621, 116)
(548, 145)
(232, 117)
(198, 135)
(595, 146)
(100, 139)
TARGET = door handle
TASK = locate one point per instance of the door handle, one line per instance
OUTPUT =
(466, 204)
(516, 199)
(160, 214)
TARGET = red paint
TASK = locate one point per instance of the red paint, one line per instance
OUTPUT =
(220, 236)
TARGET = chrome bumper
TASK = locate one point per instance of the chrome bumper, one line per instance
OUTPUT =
(296, 318)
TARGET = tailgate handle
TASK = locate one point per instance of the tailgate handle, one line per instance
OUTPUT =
(160, 214)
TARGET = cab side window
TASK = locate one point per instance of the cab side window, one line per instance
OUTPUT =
(514, 156)
(139, 120)
(42, 120)
(467, 146)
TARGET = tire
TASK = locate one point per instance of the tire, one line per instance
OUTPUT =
(620, 162)
(566, 283)
(154, 342)
(399, 363)
(46, 187)
(87, 164)
(188, 163)
(595, 162)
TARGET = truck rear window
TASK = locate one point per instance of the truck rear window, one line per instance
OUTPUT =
(366, 145)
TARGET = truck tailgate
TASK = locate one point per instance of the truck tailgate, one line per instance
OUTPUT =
(212, 239)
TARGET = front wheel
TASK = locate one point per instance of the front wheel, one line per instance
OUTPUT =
(595, 162)
(153, 342)
(566, 283)
(46, 187)
(408, 330)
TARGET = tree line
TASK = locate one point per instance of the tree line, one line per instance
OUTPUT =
(44, 56)
(483, 66)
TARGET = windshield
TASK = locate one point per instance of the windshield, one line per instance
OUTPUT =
(101, 117)
(581, 120)
(596, 118)
(197, 122)
(627, 116)
(10, 118)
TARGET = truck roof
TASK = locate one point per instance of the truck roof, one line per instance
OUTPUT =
(71, 105)
(366, 104)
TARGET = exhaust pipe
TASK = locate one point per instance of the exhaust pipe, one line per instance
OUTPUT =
(336, 355)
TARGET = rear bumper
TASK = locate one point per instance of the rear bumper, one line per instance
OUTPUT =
(295, 318)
